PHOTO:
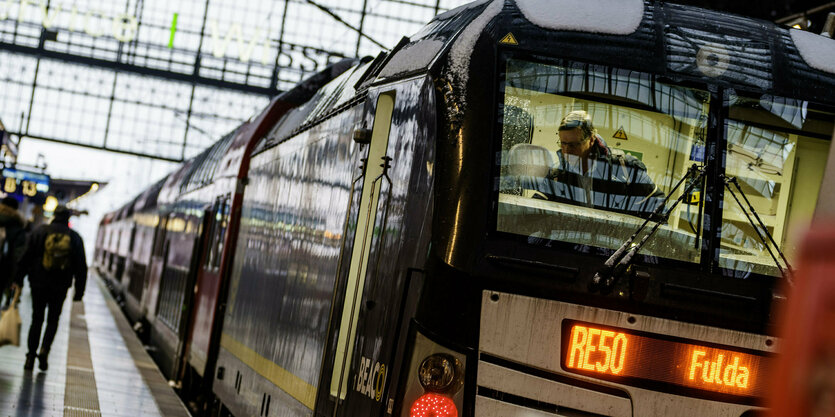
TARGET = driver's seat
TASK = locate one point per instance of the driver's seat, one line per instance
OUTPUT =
(528, 168)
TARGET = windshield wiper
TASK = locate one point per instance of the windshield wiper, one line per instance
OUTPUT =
(735, 182)
(615, 266)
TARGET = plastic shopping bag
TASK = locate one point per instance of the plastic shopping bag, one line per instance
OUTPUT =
(10, 323)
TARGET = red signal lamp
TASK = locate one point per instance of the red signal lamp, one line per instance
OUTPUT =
(433, 405)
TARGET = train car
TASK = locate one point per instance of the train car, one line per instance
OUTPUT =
(418, 238)
(193, 248)
(144, 222)
(183, 205)
(116, 245)
(102, 236)
(180, 234)
(126, 228)
(103, 249)
(225, 189)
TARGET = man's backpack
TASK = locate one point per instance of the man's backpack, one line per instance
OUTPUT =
(57, 250)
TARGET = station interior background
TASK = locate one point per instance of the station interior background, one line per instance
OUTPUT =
(110, 96)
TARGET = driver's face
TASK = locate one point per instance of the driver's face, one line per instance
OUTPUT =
(572, 142)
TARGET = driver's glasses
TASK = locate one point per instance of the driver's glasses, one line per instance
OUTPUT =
(571, 146)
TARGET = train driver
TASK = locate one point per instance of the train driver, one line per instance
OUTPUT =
(590, 174)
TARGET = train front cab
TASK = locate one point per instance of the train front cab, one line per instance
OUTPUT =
(510, 308)
(333, 251)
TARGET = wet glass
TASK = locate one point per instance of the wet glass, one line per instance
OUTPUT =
(649, 135)
(777, 150)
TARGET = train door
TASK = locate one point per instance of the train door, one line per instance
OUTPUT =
(389, 248)
(176, 292)
(159, 255)
(208, 283)
(124, 275)
(367, 214)
(198, 276)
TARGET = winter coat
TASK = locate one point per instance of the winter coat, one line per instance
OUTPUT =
(13, 224)
(55, 280)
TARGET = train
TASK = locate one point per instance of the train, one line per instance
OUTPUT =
(411, 234)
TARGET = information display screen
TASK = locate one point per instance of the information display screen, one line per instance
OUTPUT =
(24, 184)
(664, 363)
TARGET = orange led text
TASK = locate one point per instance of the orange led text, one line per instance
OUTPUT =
(597, 350)
(721, 370)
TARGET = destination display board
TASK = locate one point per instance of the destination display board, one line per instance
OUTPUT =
(25, 184)
(664, 363)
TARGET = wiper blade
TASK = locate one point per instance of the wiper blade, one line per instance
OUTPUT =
(788, 277)
(614, 267)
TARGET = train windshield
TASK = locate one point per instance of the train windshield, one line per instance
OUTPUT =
(589, 152)
(776, 156)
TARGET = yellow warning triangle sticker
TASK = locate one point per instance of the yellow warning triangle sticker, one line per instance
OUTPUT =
(620, 134)
(509, 39)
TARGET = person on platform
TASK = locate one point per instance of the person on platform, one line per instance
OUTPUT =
(54, 258)
(12, 242)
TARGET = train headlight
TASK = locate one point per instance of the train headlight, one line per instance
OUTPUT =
(440, 373)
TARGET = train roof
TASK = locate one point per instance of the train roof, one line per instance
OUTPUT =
(676, 41)
(206, 163)
(316, 97)
(196, 171)
(148, 198)
(107, 218)
(125, 210)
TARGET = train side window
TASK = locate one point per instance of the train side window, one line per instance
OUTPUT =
(208, 260)
(220, 223)
(132, 238)
(776, 152)
(159, 237)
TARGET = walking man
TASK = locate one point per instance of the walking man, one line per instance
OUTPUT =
(53, 259)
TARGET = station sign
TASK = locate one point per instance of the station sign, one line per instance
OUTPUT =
(25, 184)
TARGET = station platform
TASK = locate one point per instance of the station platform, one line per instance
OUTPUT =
(97, 367)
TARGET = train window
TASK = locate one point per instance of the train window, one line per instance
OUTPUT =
(218, 231)
(132, 238)
(589, 152)
(776, 153)
(159, 236)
